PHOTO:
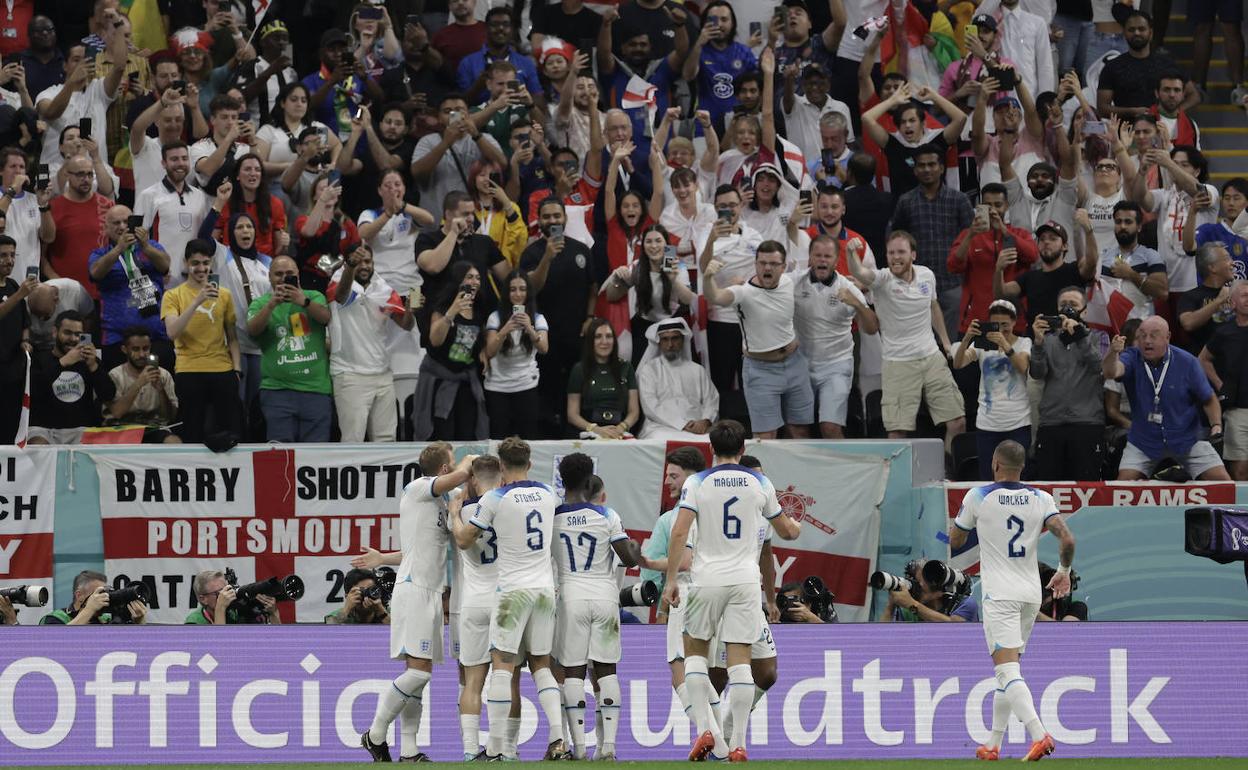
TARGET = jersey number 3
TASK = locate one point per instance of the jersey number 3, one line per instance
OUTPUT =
(1010, 524)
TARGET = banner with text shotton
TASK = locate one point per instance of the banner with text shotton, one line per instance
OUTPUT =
(27, 515)
(308, 510)
(304, 694)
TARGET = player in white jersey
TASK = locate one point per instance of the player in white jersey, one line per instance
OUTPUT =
(732, 505)
(522, 515)
(587, 626)
(476, 578)
(416, 605)
(1008, 518)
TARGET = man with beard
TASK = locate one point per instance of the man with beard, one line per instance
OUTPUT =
(145, 394)
(1128, 84)
(458, 241)
(173, 209)
(658, 19)
(677, 395)
(1040, 288)
(1050, 194)
(637, 59)
(1169, 110)
(1132, 268)
(826, 306)
(470, 77)
(167, 113)
(775, 373)
(716, 59)
(369, 151)
(67, 385)
(979, 248)
(829, 221)
(359, 362)
(1168, 390)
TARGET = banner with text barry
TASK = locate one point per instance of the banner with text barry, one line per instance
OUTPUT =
(267, 513)
(835, 495)
(27, 512)
(1072, 496)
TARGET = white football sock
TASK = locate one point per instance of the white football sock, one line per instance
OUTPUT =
(470, 730)
(551, 700)
(497, 704)
(409, 726)
(406, 686)
(740, 701)
(700, 692)
(1010, 677)
(511, 747)
(1000, 718)
(574, 705)
(609, 708)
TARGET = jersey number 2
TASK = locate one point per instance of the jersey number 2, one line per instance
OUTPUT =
(534, 532)
(732, 525)
(1010, 524)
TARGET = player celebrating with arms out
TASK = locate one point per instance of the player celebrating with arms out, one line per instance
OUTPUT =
(588, 621)
(731, 505)
(416, 605)
(522, 516)
(1009, 518)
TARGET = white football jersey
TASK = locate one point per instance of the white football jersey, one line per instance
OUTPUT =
(584, 533)
(733, 505)
(1008, 518)
(423, 535)
(522, 516)
(476, 569)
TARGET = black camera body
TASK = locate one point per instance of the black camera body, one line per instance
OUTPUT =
(383, 586)
(643, 594)
(119, 601)
(287, 589)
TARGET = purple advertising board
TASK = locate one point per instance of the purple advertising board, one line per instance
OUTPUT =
(304, 693)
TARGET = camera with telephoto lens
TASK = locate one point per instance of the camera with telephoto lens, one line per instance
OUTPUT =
(383, 585)
(119, 601)
(819, 599)
(287, 589)
(26, 596)
(643, 594)
(883, 581)
(939, 575)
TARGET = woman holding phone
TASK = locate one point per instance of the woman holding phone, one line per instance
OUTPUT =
(498, 215)
(514, 336)
(288, 120)
(656, 286)
(449, 404)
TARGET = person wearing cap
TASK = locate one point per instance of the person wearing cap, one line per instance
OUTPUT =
(1004, 412)
(337, 88)
(802, 112)
(976, 250)
(263, 78)
(1039, 289)
(1025, 42)
(82, 95)
(463, 36)
(959, 82)
(1008, 113)
(470, 77)
(677, 396)
(1128, 83)
(1051, 194)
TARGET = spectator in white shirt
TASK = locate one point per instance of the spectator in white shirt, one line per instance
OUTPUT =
(173, 208)
(1025, 41)
(168, 113)
(687, 218)
(390, 230)
(359, 364)
(803, 112)
(826, 304)
(230, 138)
(514, 336)
(775, 373)
(82, 95)
(27, 218)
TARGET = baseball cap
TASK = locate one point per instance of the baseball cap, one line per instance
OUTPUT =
(1054, 228)
(331, 36)
(985, 21)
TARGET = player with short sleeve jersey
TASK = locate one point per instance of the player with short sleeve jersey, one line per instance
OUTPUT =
(1008, 518)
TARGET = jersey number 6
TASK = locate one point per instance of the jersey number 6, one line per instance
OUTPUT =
(732, 525)
(534, 532)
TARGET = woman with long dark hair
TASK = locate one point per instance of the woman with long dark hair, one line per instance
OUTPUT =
(450, 403)
(655, 284)
(498, 214)
(603, 400)
(514, 335)
(250, 194)
(288, 120)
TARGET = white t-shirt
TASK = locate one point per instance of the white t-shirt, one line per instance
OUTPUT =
(359, 326)
(91, 102)
(1171, 207)
(257, 270)
(691, 232)
(802, 124)
(522, 514)
(853, 47)
(279, 140)
(394, 250)
(733, 505)
(173, 220)
(1008, 518)
(205, 147)
(905, 313)
(657, 311)
(476, 568)
(147, 168)
(22, 225)
(1101, 212)
(70, 295)
(737, 252)
(824, 323)
(766, 314)
(423, 535)
(583, 554)
(1003, 403)
(515, 369)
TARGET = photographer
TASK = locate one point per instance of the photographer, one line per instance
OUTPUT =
(8, 615)
(922, 602)
(1065, 608)
(359, 606)
(91, 599)
(218, 605)
(792, 608)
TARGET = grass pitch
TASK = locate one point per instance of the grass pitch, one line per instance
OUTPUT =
(856, 764)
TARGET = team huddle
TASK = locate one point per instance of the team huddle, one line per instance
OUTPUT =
(534, 583)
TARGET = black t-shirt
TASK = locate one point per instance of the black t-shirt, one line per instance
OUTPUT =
(656, 24)
(12, 359)
(1229, 347)
(901, 163)
(463, 342)
(1195, 299)
(1134, 81)
(359, 191)
(1041, 288)
(563, 299)
(580, 26)
(480, 250)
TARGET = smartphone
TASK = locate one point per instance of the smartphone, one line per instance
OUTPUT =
(335, 177)
(513, 85)
(670, 260)
(413, 19)
(369, 13)
(43, 177)
(746, 184)
(179, 86)
(1008, 242)
(359, 112)
(244, 117)
(153, 361)
(84, 128)
(556, 232)
(1095, 128)
(1006, 77)
(214, 279)
(454, 115)
(291, 280)
(983, 213)
(134, 221)
(806, 197)
(829, 158)
(517, 309)
(972, 30)
(725, 215)
(756, 28)
(32, 272)
(466, 290)
(84, 339)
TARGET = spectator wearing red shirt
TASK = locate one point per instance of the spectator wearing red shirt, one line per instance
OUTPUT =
(324, 230)
(868, 97)
(975, 252)
(464, 36)
(250, 194)
(578, 192)
(829, 214)
(79, 216)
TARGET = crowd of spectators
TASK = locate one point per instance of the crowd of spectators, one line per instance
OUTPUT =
(622, 221)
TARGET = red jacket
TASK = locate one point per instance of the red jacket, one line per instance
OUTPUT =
(980, 264)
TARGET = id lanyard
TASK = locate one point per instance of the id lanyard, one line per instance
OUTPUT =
(1155, 415)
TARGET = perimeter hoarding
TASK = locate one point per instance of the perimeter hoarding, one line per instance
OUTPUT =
(296, 694)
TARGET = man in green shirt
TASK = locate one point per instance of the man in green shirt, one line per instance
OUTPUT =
(90, 601)
(217, 605)
(356, 607)
(289, 326)
(509, 105)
